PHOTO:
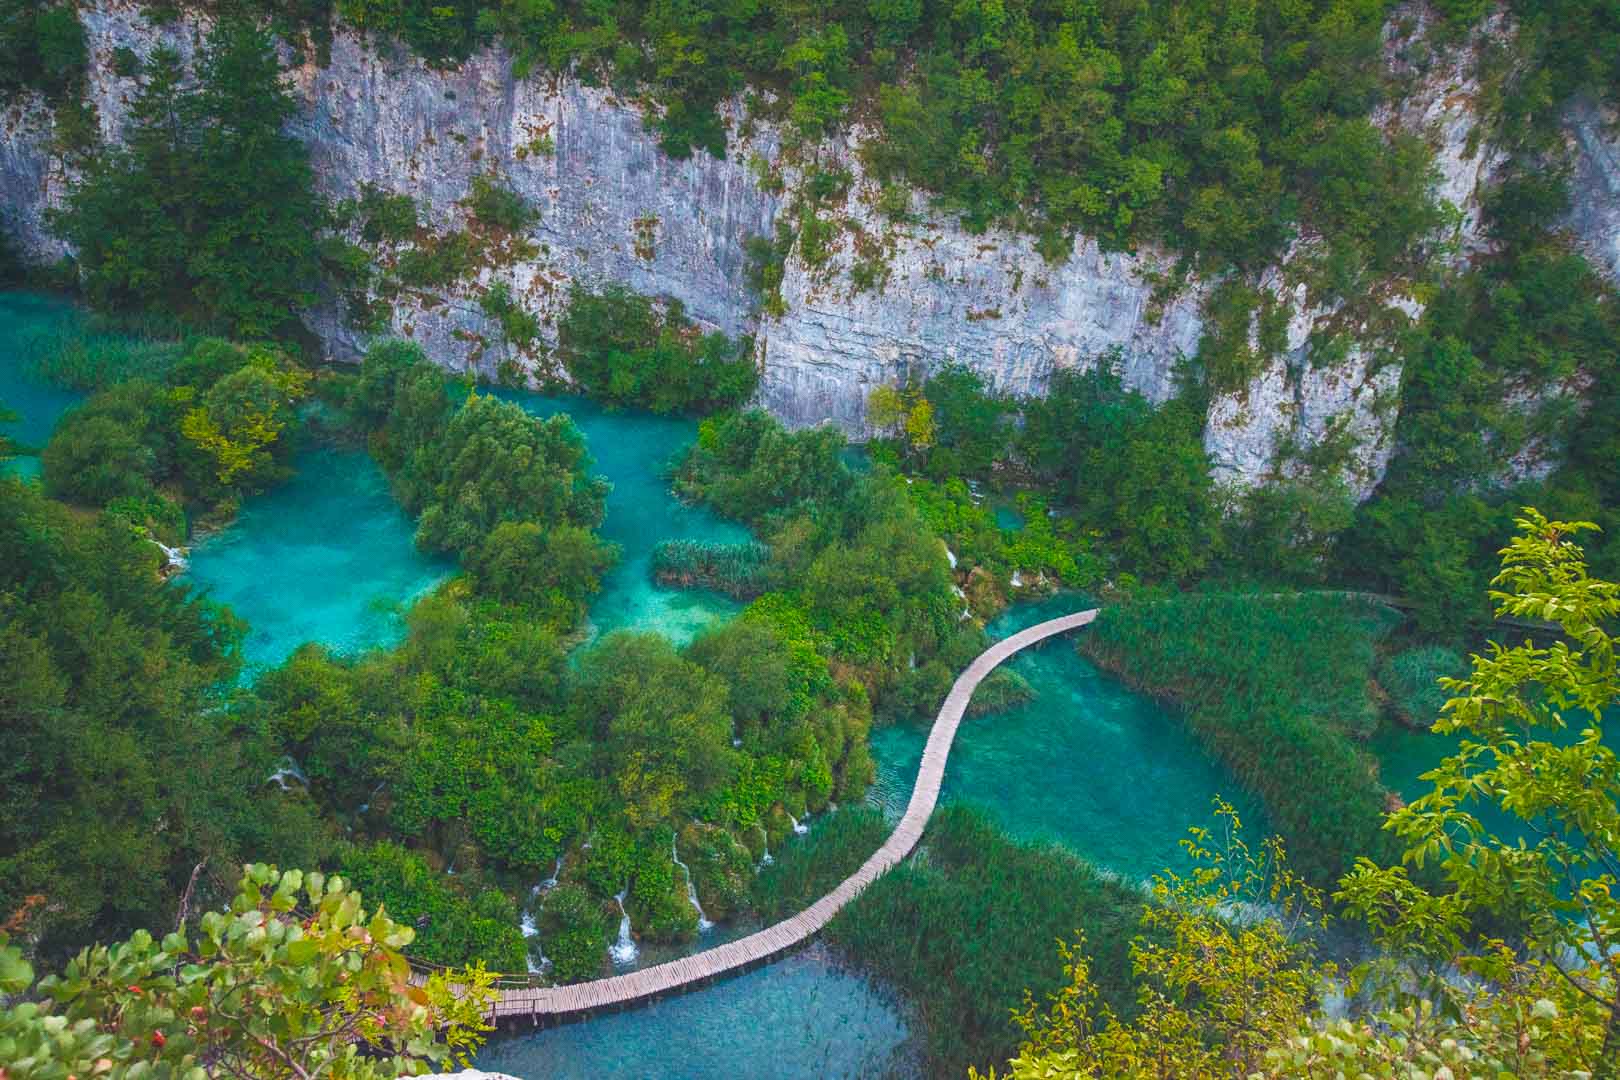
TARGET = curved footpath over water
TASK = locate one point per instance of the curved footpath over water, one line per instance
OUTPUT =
(559, 1002)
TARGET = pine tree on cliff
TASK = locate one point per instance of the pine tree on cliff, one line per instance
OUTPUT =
(208, 211)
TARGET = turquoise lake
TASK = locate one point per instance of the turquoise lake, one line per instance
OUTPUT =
(1088, 763)
(327, 556)
(805, 1016)
(632, 450)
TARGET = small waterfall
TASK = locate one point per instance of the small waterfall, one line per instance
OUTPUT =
(623, 951)
(799, 827)
(288, 770)
(174, 559)
(551, 882)
(691, 890)
(535, 952)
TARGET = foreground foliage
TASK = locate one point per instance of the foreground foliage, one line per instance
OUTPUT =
(294, 978)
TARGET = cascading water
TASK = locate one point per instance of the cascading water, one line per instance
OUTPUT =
(799, 828)
(288, 770)
(623, 951)
(551, 882)
(691, 890)
(174, 559)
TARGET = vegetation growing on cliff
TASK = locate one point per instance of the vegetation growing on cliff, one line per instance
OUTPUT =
(623, 350)
(1222, 132)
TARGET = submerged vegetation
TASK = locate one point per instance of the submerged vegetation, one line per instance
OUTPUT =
(739, 570)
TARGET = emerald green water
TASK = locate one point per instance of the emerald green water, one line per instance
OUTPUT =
(27, 319)
(1088, 763)
(633, 450)
(327, 556)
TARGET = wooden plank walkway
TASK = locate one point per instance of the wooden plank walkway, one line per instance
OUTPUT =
(543, 1002)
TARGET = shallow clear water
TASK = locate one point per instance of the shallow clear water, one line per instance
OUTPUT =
(632, 450)
(327, 556)
(1088, 763)
(804, 1016)
(25, 319)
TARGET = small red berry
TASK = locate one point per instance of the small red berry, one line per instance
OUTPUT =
(158, 1040)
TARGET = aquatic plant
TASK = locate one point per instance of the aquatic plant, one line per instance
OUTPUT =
(1275, 688)
(739, 570)
(1412, 680)
(964, 929)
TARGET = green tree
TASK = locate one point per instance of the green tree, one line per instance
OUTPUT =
(661, 720)
(209, 210)
(110, 679)
(1216, 990)
(495, 463)
(522, 562)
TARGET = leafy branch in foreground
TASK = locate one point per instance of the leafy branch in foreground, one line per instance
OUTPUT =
(264, 989)
(1519, 754)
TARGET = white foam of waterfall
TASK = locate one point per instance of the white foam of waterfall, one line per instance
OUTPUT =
(624, 950)
(551, 882)
(799, 827)
(174, 558)
(287, 770)
(691, 890)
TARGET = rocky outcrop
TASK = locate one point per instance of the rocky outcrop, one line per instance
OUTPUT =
(1595, 183)
(614, 208)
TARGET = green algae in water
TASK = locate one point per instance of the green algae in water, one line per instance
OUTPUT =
(26, 321)
(327, 556)
(633, 450)
(1089, 763)
(803, 1016)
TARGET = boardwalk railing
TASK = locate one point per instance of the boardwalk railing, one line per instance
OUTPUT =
(553, 1002)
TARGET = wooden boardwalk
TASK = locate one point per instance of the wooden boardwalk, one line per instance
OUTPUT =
(541, 1003)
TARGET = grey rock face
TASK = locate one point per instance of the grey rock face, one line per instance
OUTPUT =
(1595, 186)
(612, 207)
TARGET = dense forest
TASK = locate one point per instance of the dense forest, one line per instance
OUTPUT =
(423, 788)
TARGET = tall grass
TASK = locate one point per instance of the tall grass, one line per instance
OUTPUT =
(971, 922)
(103, 353)
(1276, 689)
(809, 866)
(1411, 678)
(739, 570)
